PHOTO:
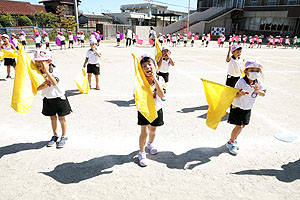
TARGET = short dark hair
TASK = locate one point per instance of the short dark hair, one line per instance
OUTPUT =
(146, 59)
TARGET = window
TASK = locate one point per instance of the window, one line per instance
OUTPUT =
(253, 2)
(292, 2)
(215, 3)
(272, 2)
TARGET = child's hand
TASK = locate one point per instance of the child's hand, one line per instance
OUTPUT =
(45, 66)
(243, 92)
(256, 87)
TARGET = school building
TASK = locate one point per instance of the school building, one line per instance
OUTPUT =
(248, 17)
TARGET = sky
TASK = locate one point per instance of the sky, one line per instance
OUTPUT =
(99, 6)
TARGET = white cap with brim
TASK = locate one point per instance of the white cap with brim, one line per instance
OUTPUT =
(253, 64)
(42, 55)
(93, 41)
(5, 35)
(235, 47)
(166, 48)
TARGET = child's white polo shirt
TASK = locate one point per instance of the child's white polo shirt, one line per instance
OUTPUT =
(246, 102)
(92, 57)
(235, 67)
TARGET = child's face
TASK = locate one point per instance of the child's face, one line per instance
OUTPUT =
(93, 46)
(237, 53)
(251, 69)
(40, 64)
(148, 68)
(5, 40)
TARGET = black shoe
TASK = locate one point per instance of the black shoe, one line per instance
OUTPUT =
(7, 77)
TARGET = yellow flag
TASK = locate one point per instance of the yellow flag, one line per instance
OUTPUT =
(158, 52)
(143, 93)
(243, 73)
(8, 53)
(82, 83)
(27, 79)
(219, 97)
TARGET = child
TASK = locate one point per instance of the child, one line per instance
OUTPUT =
(92, 61)
(71, 40)
(133, 39)
(168, 39)
(98, 38)
(245, 40)
(251, 42)
(287, 42)
(185, 40)
(15, 41)
(8, 61)
(118, 38)
(163, 64)
(46, 38)
(250, 88)
(193, 40)
(37, 40)
(174, 40)
(62, 41)
(79, 38)
(92, 36)
(203, 38)
(259, 42)
(55, 102)
(23, 39)
(160, 39)
(82, 36)
(178, 39)
(234, 65)
(277, 41)
(295, 42)
(157, 83)
(207, 39)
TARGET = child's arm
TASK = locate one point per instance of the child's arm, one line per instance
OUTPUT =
(159, 90)
(43, 86)
(241, 93)
(85, 62)
(13, 47)
(228, 54)
(170, 59)
(98, 54)
(160, 61)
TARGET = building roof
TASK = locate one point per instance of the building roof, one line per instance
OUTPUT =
(18, 7)
(141, 6)
(95, 16)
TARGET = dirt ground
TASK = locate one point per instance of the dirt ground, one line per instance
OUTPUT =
(100, 158)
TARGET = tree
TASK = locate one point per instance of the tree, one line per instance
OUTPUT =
(6, 20)
(65, 20)
(24, 21)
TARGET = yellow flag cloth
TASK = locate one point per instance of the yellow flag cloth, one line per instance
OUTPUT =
(143, 93)
(157, 52)
(8, 53)
(219, 97)
(243, 73)
(27, 79)
(82, 83)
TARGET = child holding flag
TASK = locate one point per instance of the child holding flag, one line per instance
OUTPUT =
(148, 66)
(71, 40)
(185, 40)
(37, 40)
(295, 42)
(92, 61)
(235, 65)
(8, 62)
(55, 102)
(240, 111)
(118, 38)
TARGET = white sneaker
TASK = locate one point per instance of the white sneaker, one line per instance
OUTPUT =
(143, 159)
(151, 148)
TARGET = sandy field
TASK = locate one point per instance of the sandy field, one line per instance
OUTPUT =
(99, 160)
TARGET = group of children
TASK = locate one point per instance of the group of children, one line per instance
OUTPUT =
(56, 105)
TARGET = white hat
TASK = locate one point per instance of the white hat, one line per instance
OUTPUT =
(253, 64)
(93, 41)
(5, 35)
(42, 55)
(166, 48)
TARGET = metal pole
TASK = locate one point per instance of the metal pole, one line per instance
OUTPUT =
(76, 15)
(189, 15)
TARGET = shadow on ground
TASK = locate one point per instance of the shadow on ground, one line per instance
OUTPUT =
(289, 173)
(15, 148)
(199, 155)
(121, 103)
(225, 118)
(71, 172)
(70, 93)
(193, 109)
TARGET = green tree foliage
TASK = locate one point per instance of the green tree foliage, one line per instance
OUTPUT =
(24, 21)
(65, 20)
(7, 20)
